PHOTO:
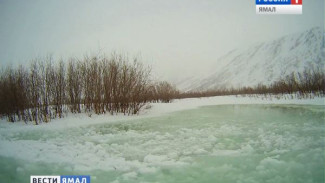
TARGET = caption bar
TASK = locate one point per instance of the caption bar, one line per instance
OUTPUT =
(60, 179)
(278, 7)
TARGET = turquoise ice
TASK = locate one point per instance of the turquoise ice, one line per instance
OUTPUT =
(226, 143)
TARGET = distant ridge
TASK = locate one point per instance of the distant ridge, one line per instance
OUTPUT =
(263, 63)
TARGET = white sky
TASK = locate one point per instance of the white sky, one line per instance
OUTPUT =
(176, 38)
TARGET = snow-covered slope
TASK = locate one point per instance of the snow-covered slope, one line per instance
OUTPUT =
(262, 63)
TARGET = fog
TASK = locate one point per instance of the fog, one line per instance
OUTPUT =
(169, 36)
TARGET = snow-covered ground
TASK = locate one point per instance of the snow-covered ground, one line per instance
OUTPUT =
(188, 140)
(156, 109)
(191, 103)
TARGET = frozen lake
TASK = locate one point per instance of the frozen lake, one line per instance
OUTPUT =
(225, 143)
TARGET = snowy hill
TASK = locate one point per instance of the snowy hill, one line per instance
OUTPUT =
(262, 63)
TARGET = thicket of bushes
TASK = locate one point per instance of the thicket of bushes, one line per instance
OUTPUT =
(47, 90)
(308, 82)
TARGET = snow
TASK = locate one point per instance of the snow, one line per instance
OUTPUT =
(262, 63)
(188, 140)
(156, 109)
(185, 104)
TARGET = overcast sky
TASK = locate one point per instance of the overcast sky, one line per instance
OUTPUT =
(174, 37)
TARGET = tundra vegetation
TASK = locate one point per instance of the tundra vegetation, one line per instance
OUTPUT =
(306, 84)
(48, 89)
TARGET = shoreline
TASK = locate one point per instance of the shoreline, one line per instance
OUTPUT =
(158, 109)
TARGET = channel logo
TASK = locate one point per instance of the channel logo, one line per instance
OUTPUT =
(276, 7)
(59, 179)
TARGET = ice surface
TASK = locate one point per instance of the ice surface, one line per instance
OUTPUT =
(224, 143)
